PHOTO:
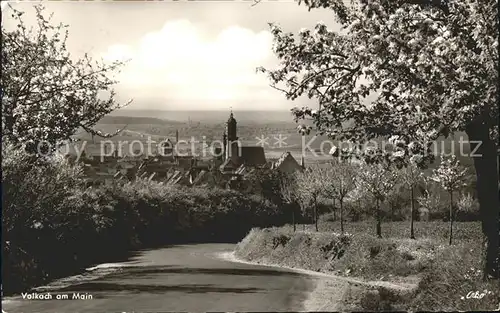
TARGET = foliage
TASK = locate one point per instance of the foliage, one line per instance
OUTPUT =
(431, 200)
(374, 55)
(267, 182)
(339, 179)
(467, 207)
(289, 189)
(34, 189)
(358, 194)
(466, 203)
(378, 180)
(410, 70)
(47, 211)
(450, 174)
(411, 175)
(397, 203)
(46, 94)
(309, 187)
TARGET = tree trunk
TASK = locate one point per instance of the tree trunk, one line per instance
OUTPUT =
(9, 119)
(379, 227)
(451, 216)
(315, 214)
(412, 197)
(485, 163)
(341, 217)
(293, 218)
(334, 211)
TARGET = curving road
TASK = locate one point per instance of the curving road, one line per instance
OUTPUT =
(177, 278)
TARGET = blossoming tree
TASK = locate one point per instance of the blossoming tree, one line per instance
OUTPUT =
(309, 188)
(411, 175)
(289, 194)
(418, 69)
(451, 176)
(46, 94)
(379, 180)
(338, 181)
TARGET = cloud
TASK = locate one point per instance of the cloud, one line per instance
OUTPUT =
(181, 63)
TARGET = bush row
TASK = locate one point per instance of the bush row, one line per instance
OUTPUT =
(53, 226)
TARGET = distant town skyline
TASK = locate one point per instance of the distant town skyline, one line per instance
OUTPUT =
(183, 55)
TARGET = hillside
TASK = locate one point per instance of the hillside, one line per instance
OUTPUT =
(120, 119)
(213, 116)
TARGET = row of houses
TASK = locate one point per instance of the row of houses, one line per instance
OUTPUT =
(186, 171)
(229, 168)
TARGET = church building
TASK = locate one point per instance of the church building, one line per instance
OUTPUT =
(234, 154)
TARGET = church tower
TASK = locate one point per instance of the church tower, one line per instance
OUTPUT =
(224, 147)
(232, 150)
(231, 128)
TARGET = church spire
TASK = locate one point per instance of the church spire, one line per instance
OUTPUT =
(231, 127)
(232, 151)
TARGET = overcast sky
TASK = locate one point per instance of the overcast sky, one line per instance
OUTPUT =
(184, 55)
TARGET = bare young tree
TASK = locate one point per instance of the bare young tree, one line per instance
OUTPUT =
(379, 180)
(452, 177)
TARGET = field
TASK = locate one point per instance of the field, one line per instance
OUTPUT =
(433, 230)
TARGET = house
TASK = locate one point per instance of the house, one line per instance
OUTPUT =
(287, 164)
(253, 156)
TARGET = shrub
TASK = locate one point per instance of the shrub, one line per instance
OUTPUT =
(35, 216)
(467, 208)
(432, 201)
(280, 240)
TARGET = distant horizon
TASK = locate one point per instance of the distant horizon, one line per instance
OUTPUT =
(215, 110)
(209, 115)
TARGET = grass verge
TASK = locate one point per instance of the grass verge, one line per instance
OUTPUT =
(445, 277)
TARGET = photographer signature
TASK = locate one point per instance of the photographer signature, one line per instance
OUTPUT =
(476, 294)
